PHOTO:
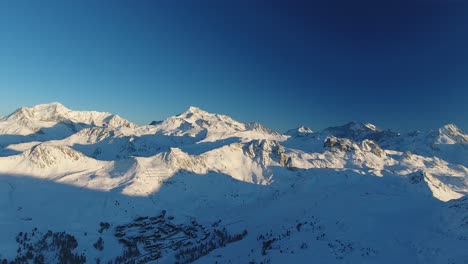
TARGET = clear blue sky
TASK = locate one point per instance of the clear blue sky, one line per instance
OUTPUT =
(398, 64)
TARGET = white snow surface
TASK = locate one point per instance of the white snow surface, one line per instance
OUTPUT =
(348, 194)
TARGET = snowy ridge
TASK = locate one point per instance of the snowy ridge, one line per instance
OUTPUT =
(348, 194)
(26, 121)
(359, 131)
(200, 125)
(299, 132)
(451, 134)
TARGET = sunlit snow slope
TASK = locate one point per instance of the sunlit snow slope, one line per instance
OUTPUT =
(85, 186)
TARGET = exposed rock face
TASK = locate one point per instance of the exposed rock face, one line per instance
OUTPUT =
(176, 159)
(451, 134)
(432, 185)
(339, 144)
(346, 145)
(358, 132)
(373, 147)
(416, 177)
(265, 151)
(96, 134)
(46, 155)
(310, 187)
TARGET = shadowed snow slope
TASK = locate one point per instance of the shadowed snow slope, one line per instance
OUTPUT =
(349, 194)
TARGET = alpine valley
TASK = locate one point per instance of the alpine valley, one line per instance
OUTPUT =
(198, 187)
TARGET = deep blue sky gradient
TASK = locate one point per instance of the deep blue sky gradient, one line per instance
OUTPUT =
(397, 64)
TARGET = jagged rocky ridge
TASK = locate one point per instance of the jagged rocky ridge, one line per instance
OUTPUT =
(277, 187)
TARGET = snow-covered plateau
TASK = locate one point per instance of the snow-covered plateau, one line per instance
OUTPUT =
(198, 187)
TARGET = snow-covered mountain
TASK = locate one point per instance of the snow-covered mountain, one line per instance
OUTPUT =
(357, 131)
(299, 132)
(30, 120)
(200, 187)
(202, 126)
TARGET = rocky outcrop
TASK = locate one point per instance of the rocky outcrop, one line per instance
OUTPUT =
(358, 132)
(47, 155)
(339, 144)
(451, 134)
(373, 147)
(265, 151)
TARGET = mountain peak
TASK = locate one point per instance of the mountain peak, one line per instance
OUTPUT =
(371, 127)
(54, 107)
(32, 119)
(195, 110)
(451, 134)
(356, 126)
(451, 127)
(50, 105)
(52, 111)
(301, 131)
(304, 129)
(359, 131)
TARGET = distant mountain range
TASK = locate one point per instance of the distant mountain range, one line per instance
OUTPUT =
(86, 186)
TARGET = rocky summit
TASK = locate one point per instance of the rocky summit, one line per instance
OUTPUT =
(200, 187)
